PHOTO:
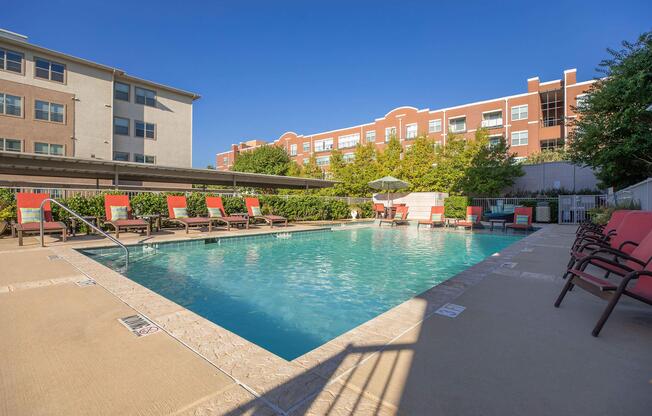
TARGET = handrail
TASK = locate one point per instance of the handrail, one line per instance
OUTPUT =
(88, 223)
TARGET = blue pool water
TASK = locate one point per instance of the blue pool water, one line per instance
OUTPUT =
(291, 293)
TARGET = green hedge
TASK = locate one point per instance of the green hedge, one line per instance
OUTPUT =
(307, 208)
(455, 206)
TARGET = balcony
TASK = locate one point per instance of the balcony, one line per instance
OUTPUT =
(492, 123)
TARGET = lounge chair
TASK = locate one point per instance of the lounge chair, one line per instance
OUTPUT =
(118, 214)
(636, 267)
(633, 228)
(436, 217)
(255, 214)
(605, 232)
(28, 210)
(216, 213)
(400, 217)
(522, 219)
(379, 211)
(473, 217)
(178, 211)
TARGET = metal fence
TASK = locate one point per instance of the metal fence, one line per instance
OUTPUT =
(487, 203)
(574, 209)
(62, 193)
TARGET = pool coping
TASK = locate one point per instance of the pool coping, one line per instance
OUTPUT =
(285, 385)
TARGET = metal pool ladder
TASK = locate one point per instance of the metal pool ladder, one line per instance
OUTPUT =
(88, 224)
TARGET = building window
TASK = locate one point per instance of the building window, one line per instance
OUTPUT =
(121, 126)
(11, 105)
(306, 147)
(519, 138)
(348, 157)
(49, 149)
(11, 61)
(225, 160)
(49, 70)
(495, 140)
(138, 158)
(411, 131)
(389, 133)
(370, 136)
(143, 129)
(492, 119)
(347, 141)
(552, 108)
(121, 91)
(145, 96)
(323, 160)
(551, 144)
(293, 150)
(306, 160)
(457, 125)
(44, 110)
(121, 156)
(322, 145)
(519, 112)
(11, 145)
(434, 126)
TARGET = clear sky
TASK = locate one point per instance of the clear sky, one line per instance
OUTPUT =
(266, 67)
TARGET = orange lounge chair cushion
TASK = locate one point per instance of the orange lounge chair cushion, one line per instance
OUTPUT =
(35, 226)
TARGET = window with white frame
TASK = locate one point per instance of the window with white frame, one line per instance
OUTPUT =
(323, 160)
(492, 119)
(434, 126)
(348, 140)
(11, 61)
(50, 70)
(121, 126)
(324, 144)
(145, 96)
(370, 136)
(551, 144)
(348, 157)
(411, 131)
(457, 124)
(121, 156)
(11, 145)
(140, 158)
(145, 130)
(306, 147)
(519, 112)
(44, 110)
(519, 138)
(293, 150)
(495, 140)
(49, 149)
(121, 91)
(11, 105)
(389, 133)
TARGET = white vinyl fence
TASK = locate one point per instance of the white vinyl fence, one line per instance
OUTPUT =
(640, 193)
(574, 209)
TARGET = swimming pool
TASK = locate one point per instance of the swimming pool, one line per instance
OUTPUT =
(292, 292)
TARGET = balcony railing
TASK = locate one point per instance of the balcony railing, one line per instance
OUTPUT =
(494, 122)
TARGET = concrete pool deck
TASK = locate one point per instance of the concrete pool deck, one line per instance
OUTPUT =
(509, 352)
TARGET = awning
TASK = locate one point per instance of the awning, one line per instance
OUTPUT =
(14, 163)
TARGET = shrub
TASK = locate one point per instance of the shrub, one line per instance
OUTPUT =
(455, 206)
(233, 204)
(148, 203)
(601, 215)
(7, 205)
(366, 210)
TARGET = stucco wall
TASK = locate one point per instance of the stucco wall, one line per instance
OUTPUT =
(418, 203)
(554, 175)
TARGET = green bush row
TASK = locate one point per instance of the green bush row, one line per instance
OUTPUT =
(455, 206)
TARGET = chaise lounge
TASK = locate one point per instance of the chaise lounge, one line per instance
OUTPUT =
(436, 217)
(473, 217)
(178, 211)
(216, 213)
(28, 210)
(255, 214)
(400, 217)
(522, 219)
(118, 214)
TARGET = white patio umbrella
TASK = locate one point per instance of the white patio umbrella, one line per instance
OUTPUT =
(388, 183)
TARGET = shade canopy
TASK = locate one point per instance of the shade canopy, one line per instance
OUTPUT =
(387, 183)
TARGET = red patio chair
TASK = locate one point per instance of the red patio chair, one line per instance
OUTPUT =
(111, 202)
(379, 210)
(253, 208)
(179, 202)
(635, 269)
(400, 217)
(216, 213)
(28, 207)
(520, 222)
(473, 217)
(436, 217)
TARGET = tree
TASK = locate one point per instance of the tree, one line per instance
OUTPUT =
(355, 176)
(492, 167)
(312, 169)
(557, 155)
(451, 164)
(613, 133)
(389, 160)
(295, 169)
(270, 160)
(417, 167)
(337, 162)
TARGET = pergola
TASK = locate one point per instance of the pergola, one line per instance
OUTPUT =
(25, 164)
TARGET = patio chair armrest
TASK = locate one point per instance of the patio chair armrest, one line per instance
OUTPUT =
(596, 245)
(619, 255)
(596, 261)
(627, 243)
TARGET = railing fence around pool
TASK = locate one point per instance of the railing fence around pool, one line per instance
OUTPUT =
(63, 193)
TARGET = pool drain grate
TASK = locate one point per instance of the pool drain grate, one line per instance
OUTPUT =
(139, 325)
(450, 310)
(85, 282)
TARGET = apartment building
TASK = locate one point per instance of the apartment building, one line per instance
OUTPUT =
(530, 122)
(56, 104)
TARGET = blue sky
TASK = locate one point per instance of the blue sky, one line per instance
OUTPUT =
(266, 67)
